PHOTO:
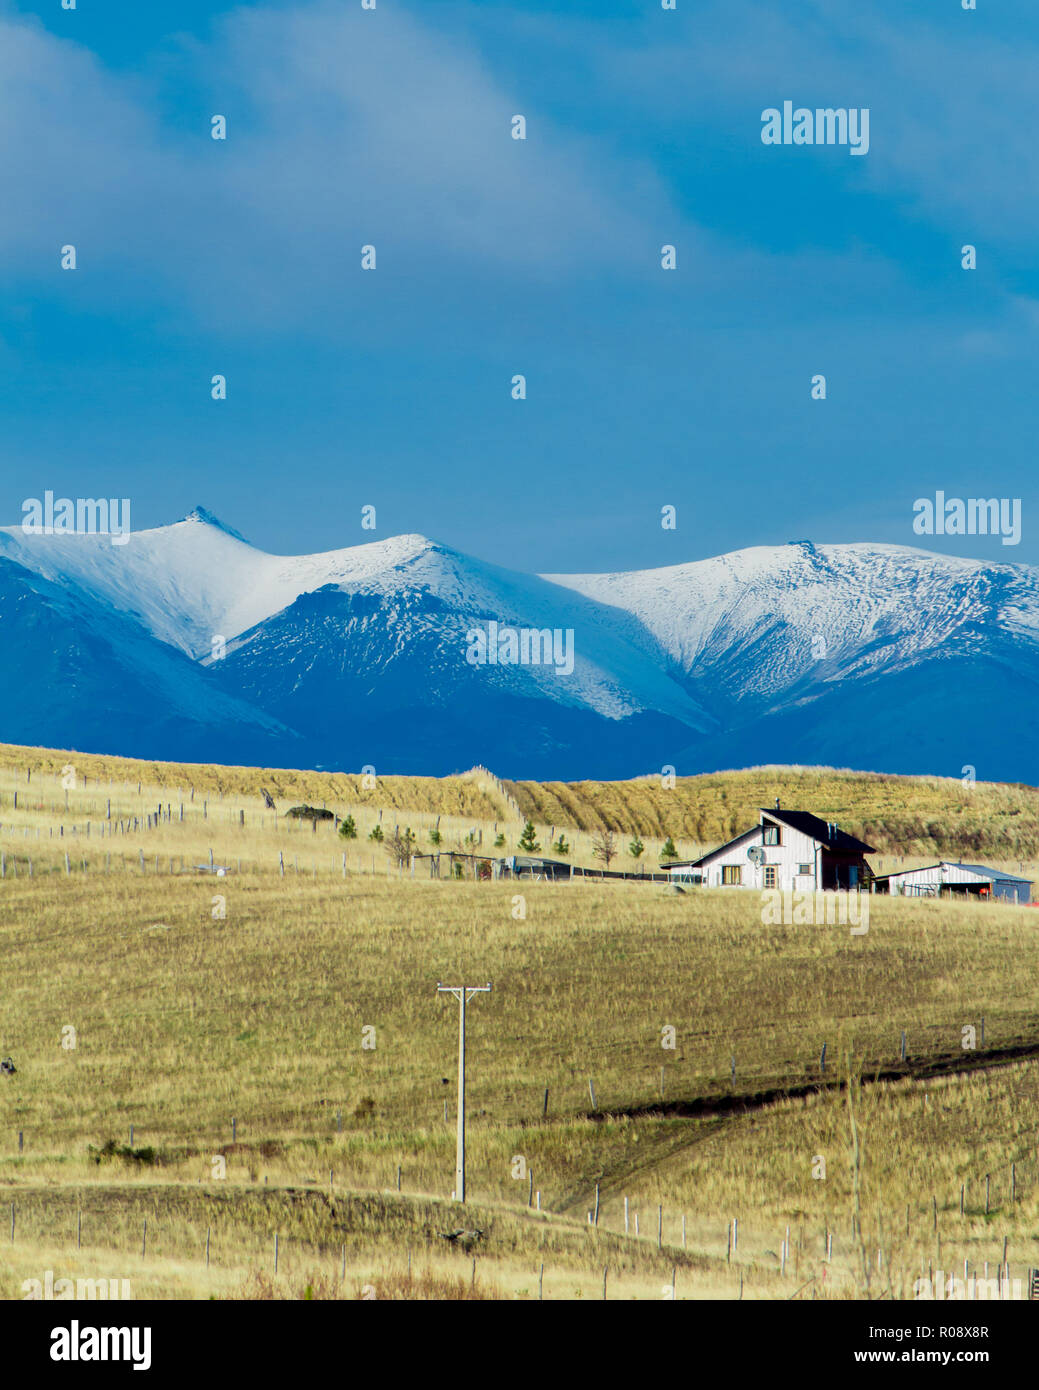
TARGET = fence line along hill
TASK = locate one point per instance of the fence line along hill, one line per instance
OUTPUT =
(930, 817)
(476, 792)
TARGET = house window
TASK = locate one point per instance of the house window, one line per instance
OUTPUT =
(732, 873)
(805, 869)
(770, 876)
(771, 835)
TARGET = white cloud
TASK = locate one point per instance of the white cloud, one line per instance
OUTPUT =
(348, 126)
(952, 122)
(344, 127)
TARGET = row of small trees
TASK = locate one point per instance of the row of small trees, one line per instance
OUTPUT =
(400, 846)
(604, 845)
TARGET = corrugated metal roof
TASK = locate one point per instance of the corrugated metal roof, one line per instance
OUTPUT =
(984, 871)
(980, 870)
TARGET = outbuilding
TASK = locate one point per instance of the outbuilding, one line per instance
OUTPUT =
(958, 880)
(532, 866)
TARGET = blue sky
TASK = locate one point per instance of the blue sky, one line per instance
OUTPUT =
(540, 257)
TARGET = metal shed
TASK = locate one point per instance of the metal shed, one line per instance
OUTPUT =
(964, 880)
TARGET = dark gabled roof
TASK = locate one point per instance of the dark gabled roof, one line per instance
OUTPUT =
(695, 863)
(817, 830)
(803, 821)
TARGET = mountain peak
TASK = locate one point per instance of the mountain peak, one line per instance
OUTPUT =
(416, 541)
(206, 517)
(763, 655)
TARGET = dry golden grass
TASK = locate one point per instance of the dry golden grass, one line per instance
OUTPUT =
(475, 795)
(909, 820)
(185, 1020)
(910, 816)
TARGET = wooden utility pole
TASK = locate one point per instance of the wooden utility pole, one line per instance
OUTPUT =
(463, 993)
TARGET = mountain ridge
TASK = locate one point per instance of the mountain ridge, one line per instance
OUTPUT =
(361, 655)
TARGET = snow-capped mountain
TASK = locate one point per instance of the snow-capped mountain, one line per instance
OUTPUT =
(758, 624)
(868, 656)
(197, 579)
(392, 644)
(79, 674)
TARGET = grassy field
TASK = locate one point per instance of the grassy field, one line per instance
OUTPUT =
(275, 1039)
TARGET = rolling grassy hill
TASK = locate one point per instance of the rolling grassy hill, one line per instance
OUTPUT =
(184, 1023)
(897, 815)
(224, 1019)
(906, 817)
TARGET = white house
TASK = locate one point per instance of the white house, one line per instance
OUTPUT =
(964, 880)
(786, 850)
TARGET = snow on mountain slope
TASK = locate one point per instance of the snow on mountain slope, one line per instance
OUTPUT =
(762, 623)
(407, 624)
(80, 675)
(381, 679)
(195, 579)
(767, 653)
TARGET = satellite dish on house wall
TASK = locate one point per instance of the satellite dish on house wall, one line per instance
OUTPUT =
(756, 854)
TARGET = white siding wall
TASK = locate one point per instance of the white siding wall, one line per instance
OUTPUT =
(915, 881)
(796, 849)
